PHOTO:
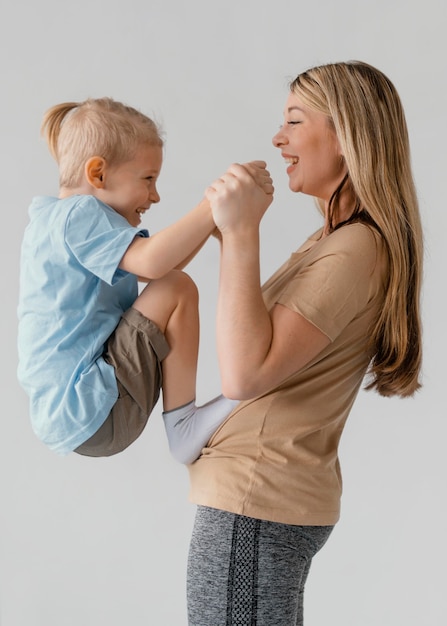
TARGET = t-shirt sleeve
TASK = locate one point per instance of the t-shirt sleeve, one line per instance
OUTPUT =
(98, 237)
(337, 282)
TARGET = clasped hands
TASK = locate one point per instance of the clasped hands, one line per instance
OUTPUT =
(241, 196)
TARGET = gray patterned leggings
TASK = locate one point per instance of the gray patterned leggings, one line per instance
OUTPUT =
(248, 572)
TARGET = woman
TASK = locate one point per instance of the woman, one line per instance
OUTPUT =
(344, 305)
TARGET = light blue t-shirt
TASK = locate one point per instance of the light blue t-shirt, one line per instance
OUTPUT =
(72, 295)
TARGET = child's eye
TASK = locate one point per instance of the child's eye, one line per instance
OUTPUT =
(292, 122)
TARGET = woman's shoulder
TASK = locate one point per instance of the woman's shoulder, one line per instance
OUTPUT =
(355, 249)
(358, 238)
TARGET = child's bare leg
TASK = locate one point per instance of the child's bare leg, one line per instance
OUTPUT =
(172, 304)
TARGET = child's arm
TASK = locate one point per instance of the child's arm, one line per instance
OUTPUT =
(189, 258)
(215, 233)
(172, 247)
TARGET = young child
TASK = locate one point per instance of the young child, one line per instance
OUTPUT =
(93, 352)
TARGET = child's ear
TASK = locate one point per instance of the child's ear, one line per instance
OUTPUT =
(95, 171)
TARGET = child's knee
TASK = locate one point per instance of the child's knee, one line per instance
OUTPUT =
(185, 286)
(161, 297)
(177, 287)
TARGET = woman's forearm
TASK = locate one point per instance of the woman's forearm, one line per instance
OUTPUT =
(244, 329)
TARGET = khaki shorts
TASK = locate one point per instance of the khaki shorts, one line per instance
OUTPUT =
(135, 349)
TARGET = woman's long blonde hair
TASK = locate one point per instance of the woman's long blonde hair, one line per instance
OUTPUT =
(77, 131)
(369, 121)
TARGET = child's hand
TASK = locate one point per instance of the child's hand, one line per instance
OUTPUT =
(240, 197)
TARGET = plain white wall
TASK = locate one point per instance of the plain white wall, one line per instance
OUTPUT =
(91, 542)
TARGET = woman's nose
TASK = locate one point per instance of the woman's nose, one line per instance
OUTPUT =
(279, 139)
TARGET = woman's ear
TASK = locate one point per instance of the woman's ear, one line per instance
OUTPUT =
(95, 171)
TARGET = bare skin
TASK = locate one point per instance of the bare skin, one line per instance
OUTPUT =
(257, 348)
(170, 298)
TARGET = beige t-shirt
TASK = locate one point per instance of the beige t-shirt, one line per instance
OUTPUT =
(275, 457)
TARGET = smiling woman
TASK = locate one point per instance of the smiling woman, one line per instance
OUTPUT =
(296, 350)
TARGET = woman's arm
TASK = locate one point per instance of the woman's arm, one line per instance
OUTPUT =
(257, 350)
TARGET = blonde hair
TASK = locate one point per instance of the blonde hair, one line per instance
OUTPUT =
(77, 131)
(367, 114)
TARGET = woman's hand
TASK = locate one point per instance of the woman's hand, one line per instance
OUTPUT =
(241, 196)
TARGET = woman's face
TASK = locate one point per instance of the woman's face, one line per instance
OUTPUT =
(311, 150)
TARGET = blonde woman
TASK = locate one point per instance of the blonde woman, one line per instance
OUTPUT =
(94, 353)
(296, 350)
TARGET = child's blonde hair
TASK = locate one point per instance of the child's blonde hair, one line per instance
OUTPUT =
(77, 131)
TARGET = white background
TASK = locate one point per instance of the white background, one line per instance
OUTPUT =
(90, 542)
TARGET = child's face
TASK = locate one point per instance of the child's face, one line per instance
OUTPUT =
(130, 188)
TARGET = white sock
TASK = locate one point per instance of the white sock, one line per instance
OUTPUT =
(190, 427)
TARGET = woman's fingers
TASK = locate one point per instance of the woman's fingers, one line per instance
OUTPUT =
(260, 174)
